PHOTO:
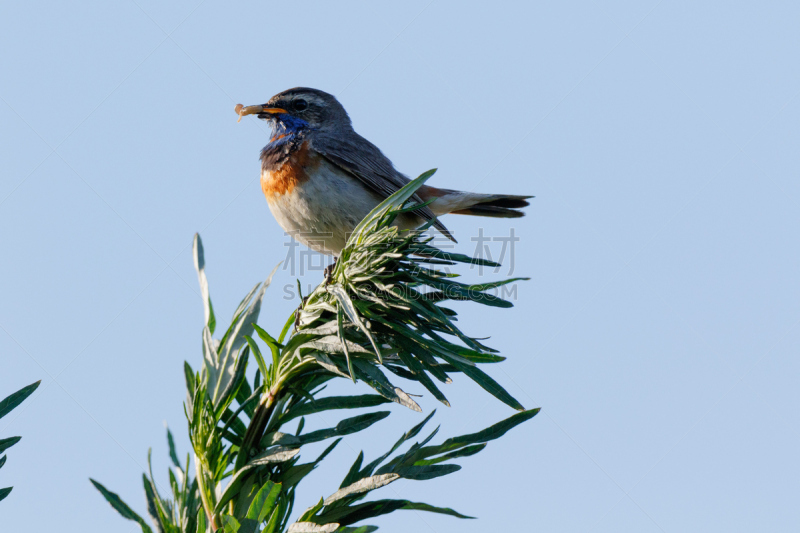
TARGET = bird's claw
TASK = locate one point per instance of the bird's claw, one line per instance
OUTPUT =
(328, 272)
(297, 313)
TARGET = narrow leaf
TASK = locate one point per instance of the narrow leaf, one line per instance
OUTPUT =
(345, 427)
(495, 431)
(343, 340)
(362, 486)
(172, 454)
(353, 473)
(119, 506)
(13, 400)
(278, 454)
(394, 201)
(153, 508)
(264, 502)
(487, 383)
(311, 511)
(232, 490)
(200, 266)
(230, 524)
(375, 379)
(427, 471)
(334, 402)
(311, 527)
(8, 443)
(351, 514)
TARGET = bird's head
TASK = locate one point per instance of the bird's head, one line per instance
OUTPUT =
(300, 107)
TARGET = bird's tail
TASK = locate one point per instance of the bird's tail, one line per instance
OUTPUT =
(470, 203)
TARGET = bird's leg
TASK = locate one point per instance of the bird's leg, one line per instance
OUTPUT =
(297, 312)
(328, 272)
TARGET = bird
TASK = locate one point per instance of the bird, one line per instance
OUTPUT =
(321, 178)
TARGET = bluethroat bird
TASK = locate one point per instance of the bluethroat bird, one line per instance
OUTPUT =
(321, 178)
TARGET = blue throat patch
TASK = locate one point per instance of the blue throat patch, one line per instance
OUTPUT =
(284, 129)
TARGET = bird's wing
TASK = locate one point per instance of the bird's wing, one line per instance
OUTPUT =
(365, 162)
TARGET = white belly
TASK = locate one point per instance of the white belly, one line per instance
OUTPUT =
(323, 210)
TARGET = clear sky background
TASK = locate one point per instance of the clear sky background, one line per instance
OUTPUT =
(659, 332)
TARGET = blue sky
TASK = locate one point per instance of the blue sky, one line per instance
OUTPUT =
(659, 332)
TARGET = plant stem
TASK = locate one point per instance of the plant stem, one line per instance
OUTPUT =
(201, 482)
(256, 427)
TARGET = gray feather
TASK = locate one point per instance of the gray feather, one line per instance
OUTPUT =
(363, 160)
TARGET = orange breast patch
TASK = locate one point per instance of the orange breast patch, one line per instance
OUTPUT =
(293, 172)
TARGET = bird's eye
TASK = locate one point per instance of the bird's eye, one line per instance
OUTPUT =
(300, 105)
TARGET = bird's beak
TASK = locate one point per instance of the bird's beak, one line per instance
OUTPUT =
(256, 110)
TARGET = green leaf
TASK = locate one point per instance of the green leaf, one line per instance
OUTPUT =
(119, 506)
(355, 513)
(354, 473)
(153, 506)
(264, 502)
(286, 327)
(491, 433)
(8, 443)
(230, 524)
(273, 344)
(394, 201)
(296, 473)
(232, 490)
(487, 383)
(311, 527)
(406, 459)
(172, 454)
(212, 320)
(212, 366)
(277, 454)
(362, 486)
(463, 452)
(229, 393)
(311, 511)
(189, 377)
(276, 518)
(345, 427)
(436, 253)
(416, 367)
(408, 435)
(265, 336)
(242, 306)
(262, 366)
(333, 344)
(201, 521)
(373, 377)
(200, 267)
(360, 529)
(327, 450)
(343, 341)
(495, 431)
(3, 460)
(329, 364)
(5, 492)
(231, 418)
(346, 305)
(494, 284)
(424, 472)
(456, 291)
(244, 325)
(334, 402)
(13, 400)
